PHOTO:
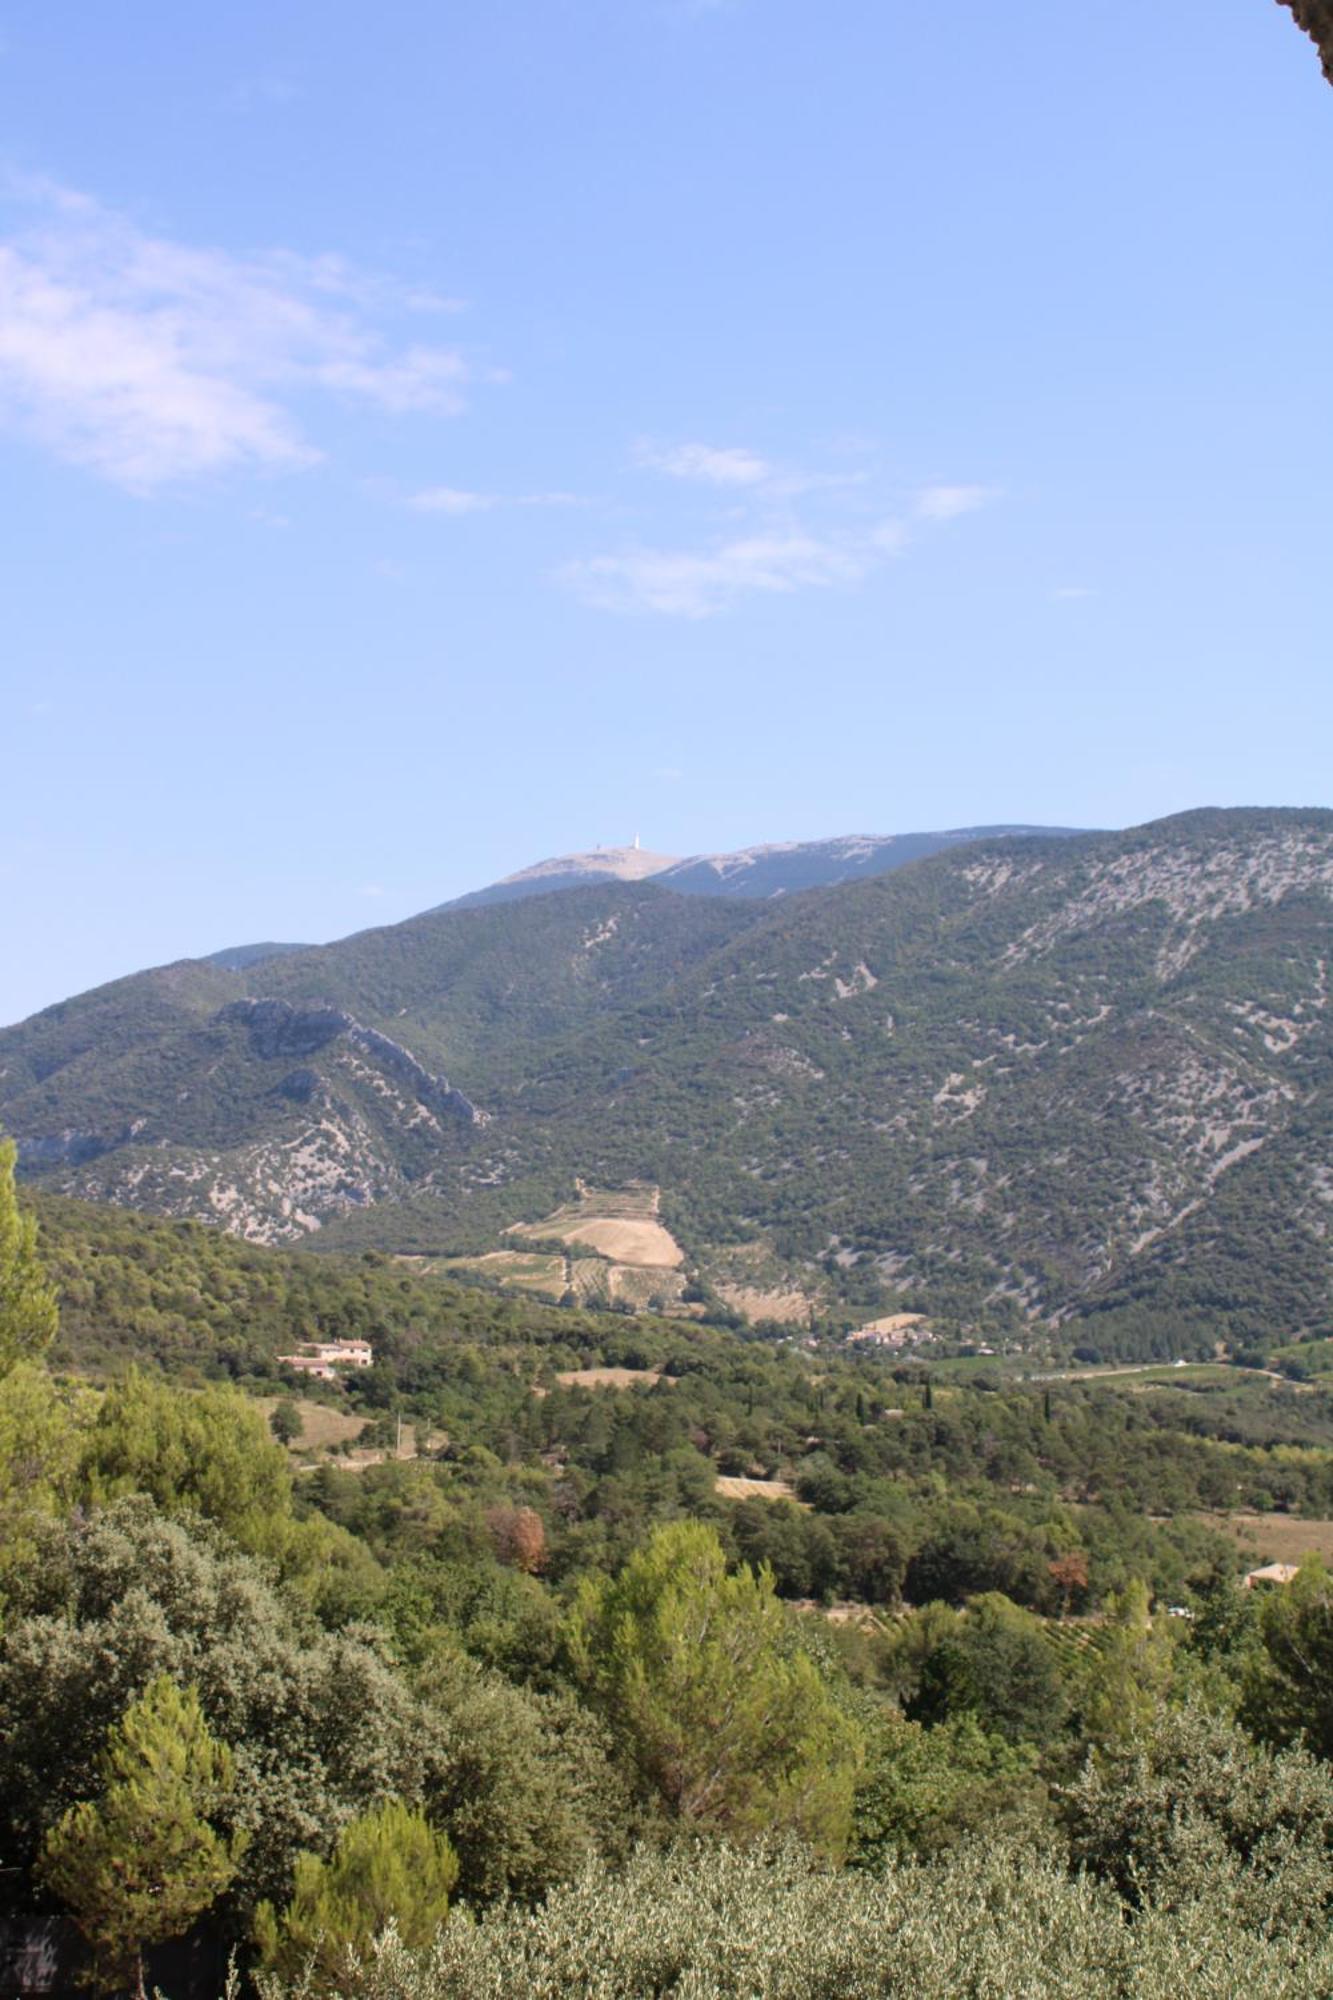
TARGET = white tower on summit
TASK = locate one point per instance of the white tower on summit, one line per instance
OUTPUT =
(636, 843)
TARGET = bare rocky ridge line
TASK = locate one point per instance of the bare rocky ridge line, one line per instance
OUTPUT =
(1041, 1065)
(769, 869)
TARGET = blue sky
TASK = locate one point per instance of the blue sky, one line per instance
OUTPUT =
(437, 437)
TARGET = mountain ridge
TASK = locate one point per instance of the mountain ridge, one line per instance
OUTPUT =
(770, 868)
(1068, 1079)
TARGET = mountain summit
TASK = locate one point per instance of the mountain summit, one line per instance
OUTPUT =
(570, 871)
(778, 868)
(1077, 1081)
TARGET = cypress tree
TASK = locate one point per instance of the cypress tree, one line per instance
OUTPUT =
(29, 1314)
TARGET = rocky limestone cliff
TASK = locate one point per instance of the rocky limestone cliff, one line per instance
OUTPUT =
(276, 1028)
(1316, 17)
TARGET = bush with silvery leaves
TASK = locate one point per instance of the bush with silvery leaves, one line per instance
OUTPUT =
(714, 1923)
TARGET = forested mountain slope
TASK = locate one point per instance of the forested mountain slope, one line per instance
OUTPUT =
(1026, 1077)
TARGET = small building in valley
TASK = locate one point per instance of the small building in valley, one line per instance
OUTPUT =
(324, 1358)
(1270, 1573)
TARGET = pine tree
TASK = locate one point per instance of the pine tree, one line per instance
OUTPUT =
(139, 1864)
(390, 1866)
(724, 1715)
(29, 1314)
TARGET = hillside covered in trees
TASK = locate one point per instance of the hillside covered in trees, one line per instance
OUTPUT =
(659, 1639)
(1079, 1084)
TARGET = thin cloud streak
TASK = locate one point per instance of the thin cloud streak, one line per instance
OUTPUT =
(700, 583)
(715, 465)
(738, 468)
(696, 584)
(457, 500)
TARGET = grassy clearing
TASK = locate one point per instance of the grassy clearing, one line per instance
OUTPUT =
(608, 1378)
(1152, 1373)
(1275, 1537)
(322, 1427)
(753, 1303)
(730, 1488)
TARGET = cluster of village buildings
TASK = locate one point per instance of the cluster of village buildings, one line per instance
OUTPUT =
(897, 1330)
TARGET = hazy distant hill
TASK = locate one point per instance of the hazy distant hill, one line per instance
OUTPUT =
(1087, 1078)
(240, 957)
(783, 868)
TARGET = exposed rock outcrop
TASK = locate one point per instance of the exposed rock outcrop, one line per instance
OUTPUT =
(435, 1092)
(40, 1153)
(277, 1028)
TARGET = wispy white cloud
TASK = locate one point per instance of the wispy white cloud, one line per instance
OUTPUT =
(715, 465)
(946, 503)
(738, 468)
(458, 500)
(777, 555)
(152, 361)
(695, 584)
(452, 500)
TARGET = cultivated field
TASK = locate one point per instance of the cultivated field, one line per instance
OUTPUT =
(645, 1244)
(620, 1225)
(647, 1288)
(530, 1271)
